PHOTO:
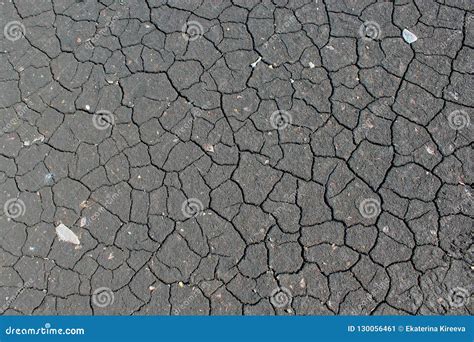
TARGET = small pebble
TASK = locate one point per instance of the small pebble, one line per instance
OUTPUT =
(409, 37)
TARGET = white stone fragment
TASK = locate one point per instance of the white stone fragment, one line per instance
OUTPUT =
(208, 147)
(67, 235)
(409, 37)
(254, 64)
(28, 143)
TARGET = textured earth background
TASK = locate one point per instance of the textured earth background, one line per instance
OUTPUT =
(236, 157)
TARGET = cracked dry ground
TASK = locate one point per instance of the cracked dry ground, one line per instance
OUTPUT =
(281, 230)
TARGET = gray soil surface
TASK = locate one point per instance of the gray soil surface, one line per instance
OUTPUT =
(244, 157)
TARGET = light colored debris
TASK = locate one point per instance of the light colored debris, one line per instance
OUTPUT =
(208, 147)
(85, 204)
(430, 149)
(67, 235)
(49, 177)
(311, 65)
(28, 143)
(254, 64)
(409, 37)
